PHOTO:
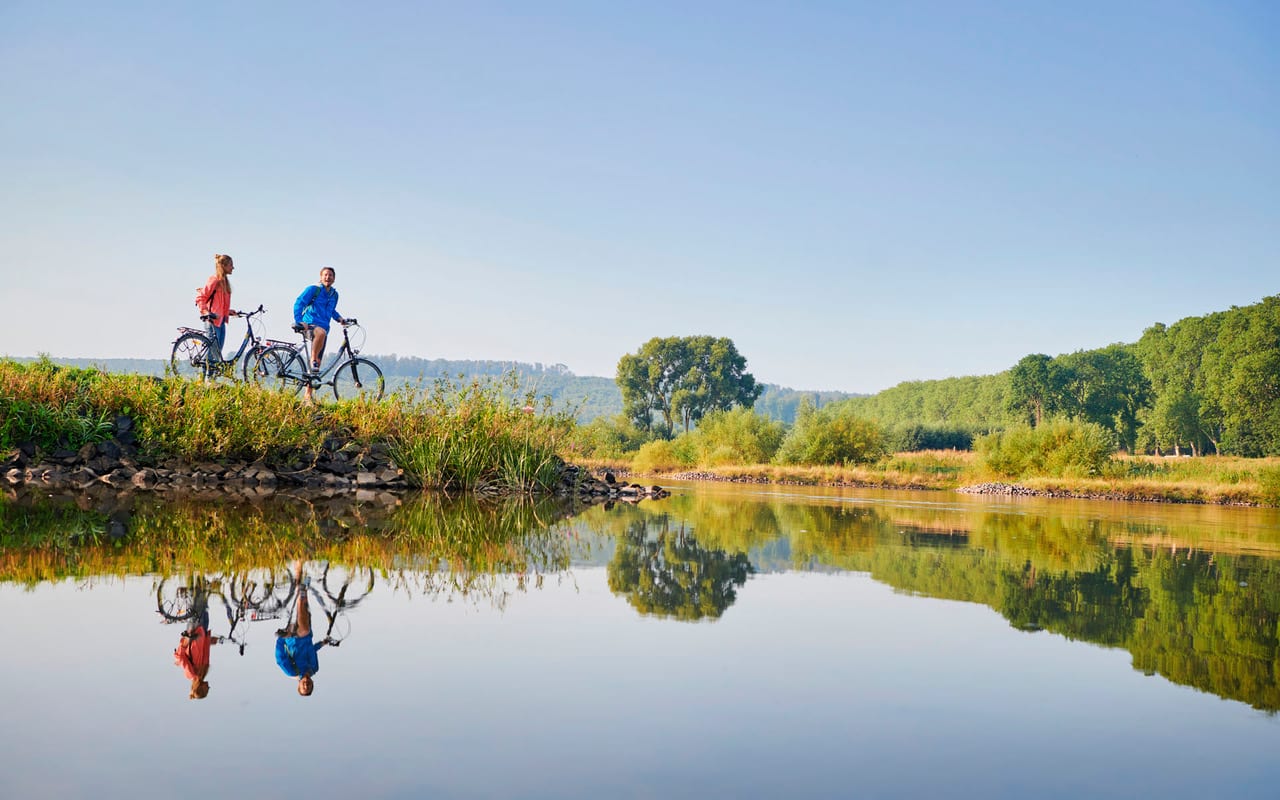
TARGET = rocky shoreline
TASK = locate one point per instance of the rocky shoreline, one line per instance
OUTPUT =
(1014, 490)
(990, 488)
(762, 479)
(340, 466)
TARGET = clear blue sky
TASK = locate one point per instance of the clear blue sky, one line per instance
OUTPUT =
(856, 193)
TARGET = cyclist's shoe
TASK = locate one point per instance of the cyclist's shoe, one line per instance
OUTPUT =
(315, 367)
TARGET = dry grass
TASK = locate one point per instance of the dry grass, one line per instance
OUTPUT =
(1214, 480)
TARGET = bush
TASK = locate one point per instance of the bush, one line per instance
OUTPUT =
(823, 436)
(658, 456)
(1269, 481)
(608, 437)
(1058, 448)
(914, 438)
(738, 436)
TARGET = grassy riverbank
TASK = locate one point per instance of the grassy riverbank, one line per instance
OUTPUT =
(446, 435)
(470, 436)
(1223, 480)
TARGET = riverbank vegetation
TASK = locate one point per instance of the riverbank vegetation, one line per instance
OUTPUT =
(1073, 424)
(1066, 425)
(448, 435)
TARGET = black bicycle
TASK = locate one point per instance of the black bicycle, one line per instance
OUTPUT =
(195, 356)
(182, 600)
(340, 590)
(285, 367)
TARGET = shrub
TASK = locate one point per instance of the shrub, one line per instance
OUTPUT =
(914, 438)
(824, 436)
(657, 456)
(608, 437)
(1058, 448)
(1269, 482)
(738, 436)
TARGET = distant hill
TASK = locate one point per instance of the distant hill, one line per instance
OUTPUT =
(588, 396)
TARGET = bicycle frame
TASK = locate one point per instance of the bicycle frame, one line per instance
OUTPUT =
(348, 374)
(304, 352)
(250, 343)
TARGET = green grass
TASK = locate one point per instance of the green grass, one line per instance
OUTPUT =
(478, 435)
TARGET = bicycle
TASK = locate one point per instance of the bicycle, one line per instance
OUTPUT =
(192, 350)
(178, 602)
(341, 591)
(285, 366)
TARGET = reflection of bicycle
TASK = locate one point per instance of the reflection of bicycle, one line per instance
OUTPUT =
(285, 367)
(179, 600)
(340, 590)
(196, 356)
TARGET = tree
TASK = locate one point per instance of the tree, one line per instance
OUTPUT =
(682, 378)
(1106, 386)
(1035, 387)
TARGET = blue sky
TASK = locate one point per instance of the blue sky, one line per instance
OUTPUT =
(856, 193)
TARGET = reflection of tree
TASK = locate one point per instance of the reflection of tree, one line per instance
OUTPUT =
(1101, 605)
(673, 576)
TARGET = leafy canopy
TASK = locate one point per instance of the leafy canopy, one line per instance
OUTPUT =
(681, 378)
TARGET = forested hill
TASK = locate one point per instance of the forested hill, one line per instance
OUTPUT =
(1204, 384)
(590, 396)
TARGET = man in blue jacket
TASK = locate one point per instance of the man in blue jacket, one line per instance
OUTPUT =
(295, 647)
(315, 308)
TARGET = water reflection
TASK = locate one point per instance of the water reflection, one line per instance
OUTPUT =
(1196, 603)
(666, 573)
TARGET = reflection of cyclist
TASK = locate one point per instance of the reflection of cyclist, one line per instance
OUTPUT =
(192, 653)
(295, 649)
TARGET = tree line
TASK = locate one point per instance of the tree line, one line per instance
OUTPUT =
(1208, 384)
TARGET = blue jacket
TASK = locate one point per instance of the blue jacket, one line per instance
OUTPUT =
(296, 655)
(317, 307)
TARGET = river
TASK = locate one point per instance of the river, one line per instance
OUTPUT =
(726, 641)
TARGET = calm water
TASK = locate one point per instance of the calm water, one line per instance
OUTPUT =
(725, 642)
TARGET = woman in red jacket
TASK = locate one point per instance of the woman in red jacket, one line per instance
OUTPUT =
(215, 299)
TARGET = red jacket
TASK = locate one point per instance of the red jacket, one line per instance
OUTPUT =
(193, 654)
(214, 298)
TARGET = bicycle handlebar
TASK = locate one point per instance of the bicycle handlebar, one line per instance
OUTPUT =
(246, 314)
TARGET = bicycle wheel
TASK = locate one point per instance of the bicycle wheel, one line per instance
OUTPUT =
(250, 361)
(347, 586)
(252, 589)
(280, 368)
(190, 357)
(175, 602)
(358, 378)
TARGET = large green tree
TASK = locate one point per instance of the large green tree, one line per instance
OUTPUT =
(681, 378)
(1035, 387)
(1106, 386)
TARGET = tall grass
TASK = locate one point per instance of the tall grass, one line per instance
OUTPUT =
(477, 435)
(464, 436)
